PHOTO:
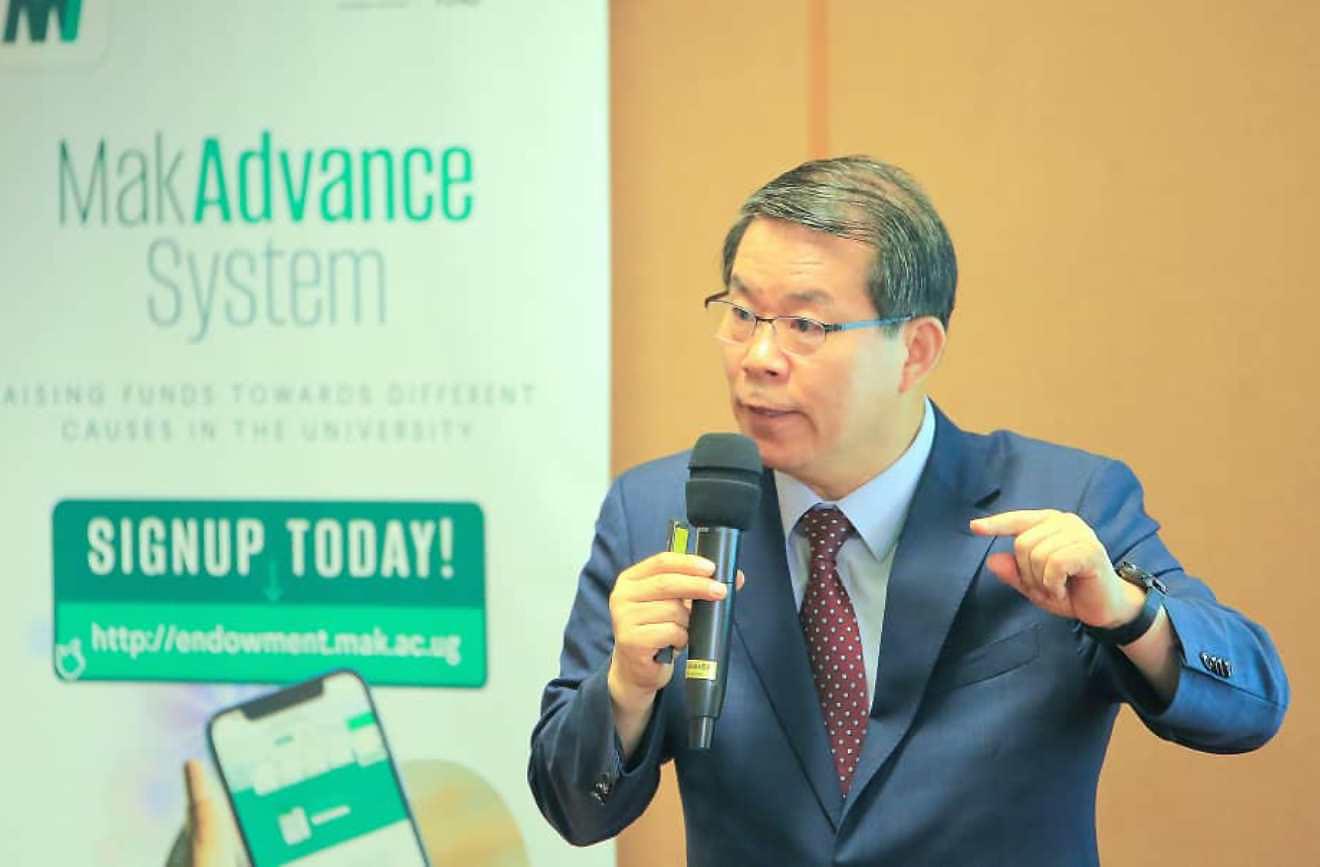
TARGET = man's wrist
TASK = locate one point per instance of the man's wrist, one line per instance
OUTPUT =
(1133, 599)
(628, 699)
(631, 708)
(1132, 630)
(1127, 630)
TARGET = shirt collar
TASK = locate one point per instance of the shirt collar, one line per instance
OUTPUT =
(877, 508)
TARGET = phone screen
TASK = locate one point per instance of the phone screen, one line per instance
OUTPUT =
(310, 778)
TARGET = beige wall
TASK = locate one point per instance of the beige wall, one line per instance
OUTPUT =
(1131, 190)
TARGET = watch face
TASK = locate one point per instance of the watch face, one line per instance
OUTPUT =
(1134, 574)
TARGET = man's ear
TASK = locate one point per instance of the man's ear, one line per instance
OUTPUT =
(924, 340)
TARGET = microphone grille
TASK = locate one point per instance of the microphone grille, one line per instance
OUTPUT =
(724, 481)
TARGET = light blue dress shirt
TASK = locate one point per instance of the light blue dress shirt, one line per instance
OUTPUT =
(877, 510)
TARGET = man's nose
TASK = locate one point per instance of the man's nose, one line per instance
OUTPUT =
(763, 355)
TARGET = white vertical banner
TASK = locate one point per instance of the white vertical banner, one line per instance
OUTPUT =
(304, 318)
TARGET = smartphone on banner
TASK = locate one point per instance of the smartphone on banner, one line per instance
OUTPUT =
(311, 780)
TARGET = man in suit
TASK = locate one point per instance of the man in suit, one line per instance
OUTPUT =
(936, 628)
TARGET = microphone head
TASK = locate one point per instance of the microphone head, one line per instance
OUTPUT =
(724, 481)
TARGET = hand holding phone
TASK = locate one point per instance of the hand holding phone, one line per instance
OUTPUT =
(209, 838)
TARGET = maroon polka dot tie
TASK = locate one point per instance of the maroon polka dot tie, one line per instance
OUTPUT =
(834, 644)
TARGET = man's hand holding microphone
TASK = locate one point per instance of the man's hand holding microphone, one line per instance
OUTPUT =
(683, 600)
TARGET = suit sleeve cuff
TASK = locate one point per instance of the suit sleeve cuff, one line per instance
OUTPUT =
(613, 777)
(1206, 710)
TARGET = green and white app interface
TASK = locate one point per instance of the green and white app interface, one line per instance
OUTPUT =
(313, 785)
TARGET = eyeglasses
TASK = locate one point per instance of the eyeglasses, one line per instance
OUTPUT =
(798, 335)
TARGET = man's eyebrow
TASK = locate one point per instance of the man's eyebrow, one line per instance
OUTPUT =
(811, 296)
(736, 285)
(804, 296)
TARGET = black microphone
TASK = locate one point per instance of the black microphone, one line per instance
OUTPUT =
(723, 492)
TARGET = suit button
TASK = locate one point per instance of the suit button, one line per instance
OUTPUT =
(1216, 665)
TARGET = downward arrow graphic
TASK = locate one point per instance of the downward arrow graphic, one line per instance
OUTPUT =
(273, 589)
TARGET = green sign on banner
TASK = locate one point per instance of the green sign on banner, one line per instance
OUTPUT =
(270, 591)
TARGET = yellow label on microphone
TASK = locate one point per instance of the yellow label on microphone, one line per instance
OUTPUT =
(701, 669)
(678, 537)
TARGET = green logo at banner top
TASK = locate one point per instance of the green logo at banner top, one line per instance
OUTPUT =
(269, 591)
(38, 14)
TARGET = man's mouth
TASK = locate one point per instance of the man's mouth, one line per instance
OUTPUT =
(766, 411)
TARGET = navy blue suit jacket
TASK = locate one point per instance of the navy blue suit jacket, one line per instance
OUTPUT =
(990, 717)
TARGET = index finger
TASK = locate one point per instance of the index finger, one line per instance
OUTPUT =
(667, 586)
(1010, 523)
(669, 561)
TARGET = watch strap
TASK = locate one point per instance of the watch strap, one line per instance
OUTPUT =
(1150, 609)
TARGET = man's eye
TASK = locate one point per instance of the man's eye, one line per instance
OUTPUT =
(799, 325)
(743, 315)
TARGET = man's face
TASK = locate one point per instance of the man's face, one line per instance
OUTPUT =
(827, 418)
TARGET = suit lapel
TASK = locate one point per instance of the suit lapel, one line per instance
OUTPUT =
(936, 559)
(765, 620)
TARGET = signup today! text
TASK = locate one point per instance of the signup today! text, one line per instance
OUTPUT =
(220, 547)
